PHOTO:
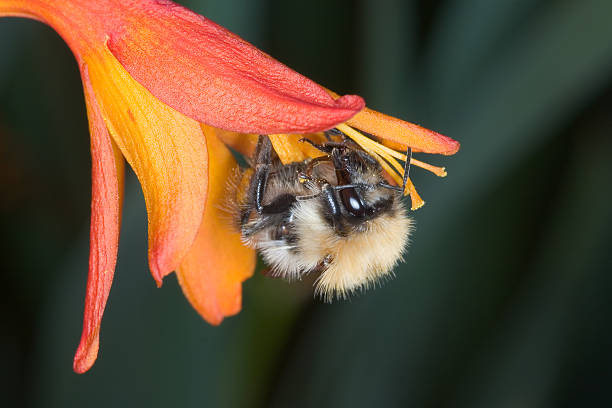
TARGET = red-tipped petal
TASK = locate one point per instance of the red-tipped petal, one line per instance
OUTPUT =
(212, 272)
(107, 187)
(406, 133)
(212, 75)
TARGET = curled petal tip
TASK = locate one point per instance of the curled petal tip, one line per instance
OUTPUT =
(215, 319)
(159, 281)
(352, 103)
(86, 355)
(160, 266)
(453, 146)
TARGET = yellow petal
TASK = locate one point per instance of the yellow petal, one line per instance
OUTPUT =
(243, 143)
(291, 149)
(212, 272)
(167, 152)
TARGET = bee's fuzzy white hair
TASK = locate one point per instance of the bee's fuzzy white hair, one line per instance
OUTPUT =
(356, 261)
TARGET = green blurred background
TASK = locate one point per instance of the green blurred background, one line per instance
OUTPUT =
(503, 300)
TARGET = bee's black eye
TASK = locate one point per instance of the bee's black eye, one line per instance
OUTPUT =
(352, 202)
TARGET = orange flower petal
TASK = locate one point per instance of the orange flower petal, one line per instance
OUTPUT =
(290, 149)
(406, 133)
(212, 272)
(107, 188)
(388, 128)
(166, 150)
(243, 143)
(210, 74)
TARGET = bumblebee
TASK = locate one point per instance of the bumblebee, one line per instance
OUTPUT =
(334, 215)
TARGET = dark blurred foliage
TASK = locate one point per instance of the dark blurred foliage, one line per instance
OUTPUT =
(504, 297)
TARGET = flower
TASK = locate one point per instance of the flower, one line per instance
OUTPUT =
(167, 90)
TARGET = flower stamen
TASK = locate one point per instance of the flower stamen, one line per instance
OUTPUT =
(417, 201)
(438, 171)
(360, 138)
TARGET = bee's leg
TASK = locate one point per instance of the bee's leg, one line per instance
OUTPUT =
(325, 148)
(334, 213)
(307, 174)
(407, 167)
(259, 180)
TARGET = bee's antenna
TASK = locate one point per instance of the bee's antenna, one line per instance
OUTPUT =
(407, 167)
(345, 186)
(390, 187)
